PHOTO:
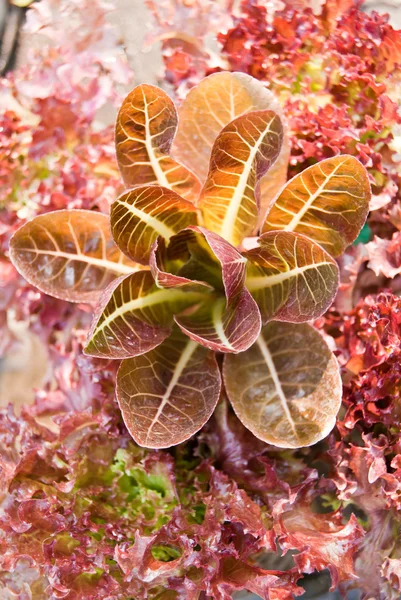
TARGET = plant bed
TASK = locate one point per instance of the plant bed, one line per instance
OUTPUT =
(191, 438)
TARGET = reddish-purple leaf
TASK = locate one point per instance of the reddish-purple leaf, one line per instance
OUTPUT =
(210, 106)
(168, 394)
(69, 254)
(142, 214)
(384, 255)
(287, 388)
(145, 129)
(212, 256)
(291, 277)
(135, 316)
(242, 153)
(231, 261)
(223, 326)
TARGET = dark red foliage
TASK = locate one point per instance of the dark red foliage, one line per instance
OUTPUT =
(336, 74)
(367, 452)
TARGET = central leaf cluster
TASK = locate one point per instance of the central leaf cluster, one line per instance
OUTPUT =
(202, 269)
(183, 274)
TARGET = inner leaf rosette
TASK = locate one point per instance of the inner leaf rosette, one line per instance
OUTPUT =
(229, 320)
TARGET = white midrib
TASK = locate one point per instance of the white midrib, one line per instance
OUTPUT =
(277, 384)
(157, 297)
(91, 260)
(218, 322)
(263, 281)
(158, 171)
(179, 368)
(227, 227)
(297, 218)
(154, 223)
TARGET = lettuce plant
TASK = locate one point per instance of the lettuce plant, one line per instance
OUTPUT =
(181, 277)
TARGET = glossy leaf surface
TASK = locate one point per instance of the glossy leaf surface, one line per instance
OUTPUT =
(145, 129)
(168, 394)
(69, 254)
(275, 178)
(222, 326)
(291, 277)
(134, 316)
(242, 153)
(287, 388)
(142, 214)
(328, 202)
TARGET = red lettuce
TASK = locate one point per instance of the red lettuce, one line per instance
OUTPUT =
(172, 284)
